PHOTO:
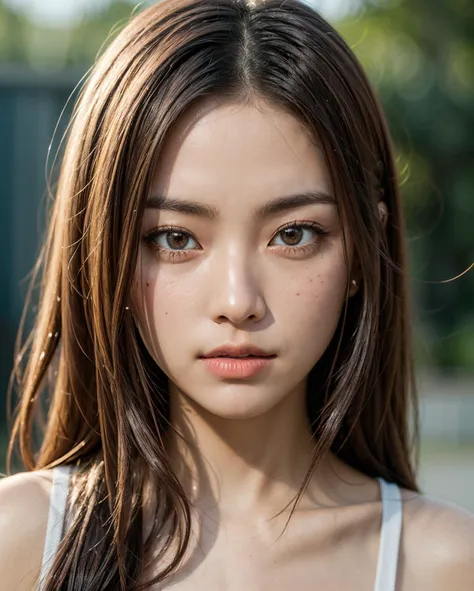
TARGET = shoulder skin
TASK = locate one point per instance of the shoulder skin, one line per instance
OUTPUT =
(437, 549)
(436, 554)
(24, 507)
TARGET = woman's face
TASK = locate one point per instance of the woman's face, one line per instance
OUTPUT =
(241, 247)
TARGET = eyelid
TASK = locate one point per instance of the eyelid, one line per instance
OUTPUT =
(309, 224)
(166, 229)
(150, 236)
(306, 223)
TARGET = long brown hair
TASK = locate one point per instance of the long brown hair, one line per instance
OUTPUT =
(107, 400)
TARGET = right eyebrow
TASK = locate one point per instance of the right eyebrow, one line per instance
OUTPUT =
(187, 207)
(271, 208)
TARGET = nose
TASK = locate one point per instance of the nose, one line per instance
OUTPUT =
(235, 292)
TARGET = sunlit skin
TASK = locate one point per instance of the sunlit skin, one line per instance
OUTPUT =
(234, 277)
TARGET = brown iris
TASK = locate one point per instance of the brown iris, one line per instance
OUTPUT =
(177, 240)
(292, 236)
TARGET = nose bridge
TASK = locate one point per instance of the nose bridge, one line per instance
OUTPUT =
(236, 291)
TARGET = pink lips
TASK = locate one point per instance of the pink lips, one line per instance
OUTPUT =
(228, 361)
(231, 367)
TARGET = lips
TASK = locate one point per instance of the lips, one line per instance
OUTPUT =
(238, 351)
(238, 362)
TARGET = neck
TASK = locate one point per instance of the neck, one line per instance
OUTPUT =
(242, 466)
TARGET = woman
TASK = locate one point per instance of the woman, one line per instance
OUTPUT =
(223, 335)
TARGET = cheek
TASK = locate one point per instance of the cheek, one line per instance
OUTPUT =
(162, 305)
(312, 302)
(154, 295)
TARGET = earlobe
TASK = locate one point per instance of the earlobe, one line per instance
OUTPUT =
(354, 287)
(383, 212)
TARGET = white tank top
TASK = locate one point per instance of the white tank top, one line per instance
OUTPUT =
(385, 579)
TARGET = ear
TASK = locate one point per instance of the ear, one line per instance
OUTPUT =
(356, 278)
(353, 287)
(383, 212)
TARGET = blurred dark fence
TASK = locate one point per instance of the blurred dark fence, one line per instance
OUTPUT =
(30, 106)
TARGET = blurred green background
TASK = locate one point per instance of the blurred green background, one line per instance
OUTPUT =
(419, 55)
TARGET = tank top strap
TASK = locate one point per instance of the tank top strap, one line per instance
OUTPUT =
(392, 513)
(56, 515)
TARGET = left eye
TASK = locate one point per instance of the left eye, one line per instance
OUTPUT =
(294, 236)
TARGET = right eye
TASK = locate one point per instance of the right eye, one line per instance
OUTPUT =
(171, 241)
(175, 240)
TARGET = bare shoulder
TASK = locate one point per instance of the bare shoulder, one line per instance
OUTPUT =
(437, 550)
(24, 508)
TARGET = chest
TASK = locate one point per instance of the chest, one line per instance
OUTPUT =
(304, 558)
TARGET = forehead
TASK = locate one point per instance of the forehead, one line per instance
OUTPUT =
(243, 151)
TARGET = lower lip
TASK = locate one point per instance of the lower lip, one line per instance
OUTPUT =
(232, 367)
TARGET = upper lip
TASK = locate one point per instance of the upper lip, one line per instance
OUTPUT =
(237, 351)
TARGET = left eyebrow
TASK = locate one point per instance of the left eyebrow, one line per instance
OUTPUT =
(271, 208)
(293, 202)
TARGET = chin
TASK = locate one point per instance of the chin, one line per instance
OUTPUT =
(235, 401)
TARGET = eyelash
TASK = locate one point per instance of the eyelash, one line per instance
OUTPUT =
(171, 254)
